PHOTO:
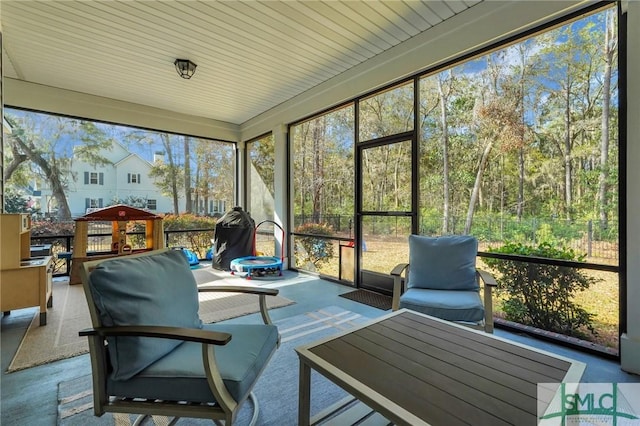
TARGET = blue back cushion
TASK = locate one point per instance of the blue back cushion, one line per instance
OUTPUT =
(443, 263)
(159, 289)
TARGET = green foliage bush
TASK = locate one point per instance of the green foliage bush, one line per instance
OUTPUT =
(492, 228)
(546, 233)
(188, 221)
(314, 250)
(198, 240)
(541, 295)
(608, 232)
(44, 228)
(14, 202)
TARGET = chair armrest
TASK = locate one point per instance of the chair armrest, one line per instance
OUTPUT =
(239, 289)
(398, 269)
(489, 283)
(175, 333)
(398, 284)
(260, 291)
(487, 278)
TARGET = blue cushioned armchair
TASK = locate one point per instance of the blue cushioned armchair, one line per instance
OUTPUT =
(151, 353)
(441, 280)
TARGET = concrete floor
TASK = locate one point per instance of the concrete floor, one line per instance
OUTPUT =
(29, 397)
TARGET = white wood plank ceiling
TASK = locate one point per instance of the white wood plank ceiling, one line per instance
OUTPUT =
(251, 55)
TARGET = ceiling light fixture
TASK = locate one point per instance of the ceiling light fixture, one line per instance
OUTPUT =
(185, 68)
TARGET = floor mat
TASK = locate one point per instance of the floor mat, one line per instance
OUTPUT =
(370, 298)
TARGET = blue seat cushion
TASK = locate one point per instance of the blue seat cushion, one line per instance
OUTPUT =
(180, 375)
(158, 289)
(443, 263)
(452, 305)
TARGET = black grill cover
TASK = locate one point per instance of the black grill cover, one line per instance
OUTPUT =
(233, 238)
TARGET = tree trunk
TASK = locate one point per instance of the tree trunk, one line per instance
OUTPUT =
(445, 158)
(187, 176)
(172, 173)
(520, 207)
(400, 155)
(521, 170)
(476, 186)
(568, 190)
(57, 188)
(48, 167)
(196, 185)
(18, 158)
(318, 173)
(13, 166)
(609, 49)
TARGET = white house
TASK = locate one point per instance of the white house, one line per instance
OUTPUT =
(125, 178)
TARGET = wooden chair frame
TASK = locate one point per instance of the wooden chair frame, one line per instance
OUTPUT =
(226, 406)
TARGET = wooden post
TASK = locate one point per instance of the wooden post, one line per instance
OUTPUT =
(80, 240)
(115, 236)
(122, 235)
(149, 234)
(158, 234)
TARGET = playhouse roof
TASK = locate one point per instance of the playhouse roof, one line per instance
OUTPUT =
(119, 212)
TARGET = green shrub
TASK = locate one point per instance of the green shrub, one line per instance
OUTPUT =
(314, 250)
(546, 233)
(541, 295)
(46, 227)
(197, 241)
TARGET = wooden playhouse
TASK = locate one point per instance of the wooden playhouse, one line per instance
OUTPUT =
(118, 215)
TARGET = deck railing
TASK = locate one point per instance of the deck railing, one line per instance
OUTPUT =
(196, 240)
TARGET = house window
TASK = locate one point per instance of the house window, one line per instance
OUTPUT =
(93, 178)
(152, 205)
(93, 203)
(133, 177)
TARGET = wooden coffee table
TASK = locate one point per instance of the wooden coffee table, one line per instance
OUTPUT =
(413, 369)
